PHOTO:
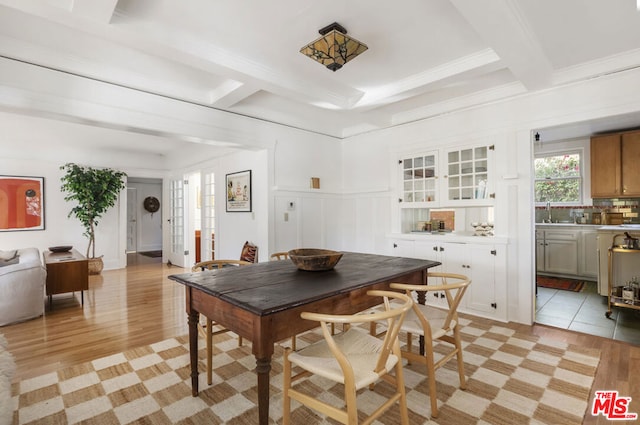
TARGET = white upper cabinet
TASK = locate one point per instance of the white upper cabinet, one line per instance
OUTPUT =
(447, 177)
(467, 176)
(419, 180)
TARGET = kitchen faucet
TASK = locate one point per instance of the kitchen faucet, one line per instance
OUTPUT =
(548, 208)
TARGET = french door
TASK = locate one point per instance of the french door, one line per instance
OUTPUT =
(208, 216)
(177, 252)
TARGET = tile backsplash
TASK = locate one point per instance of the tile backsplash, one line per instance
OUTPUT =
(630, 209)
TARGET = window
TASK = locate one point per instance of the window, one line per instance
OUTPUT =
(558, 178)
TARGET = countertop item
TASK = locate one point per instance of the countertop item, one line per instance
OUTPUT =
(313, 260)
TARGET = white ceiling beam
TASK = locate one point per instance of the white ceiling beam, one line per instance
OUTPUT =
(97, 10)
(503, 26)
(475, 64)
(279, 81)
(230, 93)
(462, 102)
(198, 53)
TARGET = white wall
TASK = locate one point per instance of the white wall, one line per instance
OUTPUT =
(233, 229)
(60, 229)
(302, 217)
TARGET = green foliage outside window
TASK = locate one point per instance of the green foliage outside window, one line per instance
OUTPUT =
(558, 179)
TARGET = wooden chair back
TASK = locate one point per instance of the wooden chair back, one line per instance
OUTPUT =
(436, 325)
(351, 348)
(279, 256)
(217, 264)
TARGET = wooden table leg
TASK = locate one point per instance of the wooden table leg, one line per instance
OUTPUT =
(193, 317)
(263, 367)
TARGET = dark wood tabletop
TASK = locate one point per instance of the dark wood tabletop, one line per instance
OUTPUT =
(265, 288)
(262, 302)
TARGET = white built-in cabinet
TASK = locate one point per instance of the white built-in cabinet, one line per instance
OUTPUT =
(588, 254)
(557, 252)
(569, 250)
(446, 177)
(484, 263)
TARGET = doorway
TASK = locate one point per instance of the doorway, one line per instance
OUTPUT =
(144, 218)
(566, 246)
(204, 216)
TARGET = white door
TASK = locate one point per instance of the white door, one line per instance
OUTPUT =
(177, 221)
(132, 223)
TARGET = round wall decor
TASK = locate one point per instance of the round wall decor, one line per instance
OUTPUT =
(151, 204)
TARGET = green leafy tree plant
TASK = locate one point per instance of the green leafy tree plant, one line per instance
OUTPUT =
(95, 190)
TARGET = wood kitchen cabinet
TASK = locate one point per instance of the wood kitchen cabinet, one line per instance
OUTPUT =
(614, 162)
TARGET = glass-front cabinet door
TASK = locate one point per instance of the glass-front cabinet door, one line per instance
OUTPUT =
(419, 179)
(467, 177)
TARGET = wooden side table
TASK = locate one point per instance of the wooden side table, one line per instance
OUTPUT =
(66, 272)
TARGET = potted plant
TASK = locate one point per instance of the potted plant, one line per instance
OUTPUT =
(95, 190)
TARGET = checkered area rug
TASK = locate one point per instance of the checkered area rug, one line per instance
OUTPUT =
(512, 379)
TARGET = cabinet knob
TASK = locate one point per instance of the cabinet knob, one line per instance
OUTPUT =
(395, 245)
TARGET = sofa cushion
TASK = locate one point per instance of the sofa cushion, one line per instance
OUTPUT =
(8, 255)
(14, 260)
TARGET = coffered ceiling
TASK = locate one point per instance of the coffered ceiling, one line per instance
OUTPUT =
(425, 57)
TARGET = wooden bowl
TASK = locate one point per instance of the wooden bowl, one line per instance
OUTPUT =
(314, 260)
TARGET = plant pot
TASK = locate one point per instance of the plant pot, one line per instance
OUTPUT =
(95, 265)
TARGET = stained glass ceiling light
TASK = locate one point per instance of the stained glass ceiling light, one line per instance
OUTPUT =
(334, 48)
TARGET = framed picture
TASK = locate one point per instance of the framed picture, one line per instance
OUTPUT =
(239, 191)
(21, 203)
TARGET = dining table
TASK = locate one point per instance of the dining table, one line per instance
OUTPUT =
(262, 302)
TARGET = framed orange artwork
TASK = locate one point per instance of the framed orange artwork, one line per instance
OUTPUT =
(21, 203)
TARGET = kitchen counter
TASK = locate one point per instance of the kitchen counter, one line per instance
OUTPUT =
(459, 237)
(610, 227)
(621, 227)
(571, 224)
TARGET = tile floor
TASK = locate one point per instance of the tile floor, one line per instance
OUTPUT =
(585, 312)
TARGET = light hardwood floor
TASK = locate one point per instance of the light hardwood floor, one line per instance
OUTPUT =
(139, 305)
(123, 309)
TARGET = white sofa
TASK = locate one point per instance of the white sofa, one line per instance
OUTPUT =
(22, 294)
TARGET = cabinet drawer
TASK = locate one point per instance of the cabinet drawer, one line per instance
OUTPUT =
(560, 235)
